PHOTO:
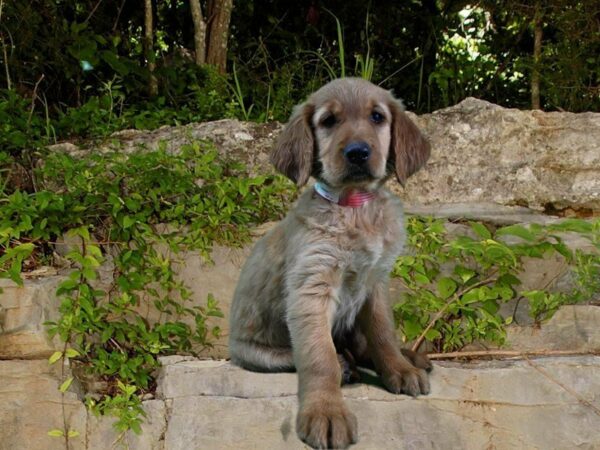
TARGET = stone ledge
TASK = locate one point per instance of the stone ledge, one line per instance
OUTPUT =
(501, 405)
(215, 405)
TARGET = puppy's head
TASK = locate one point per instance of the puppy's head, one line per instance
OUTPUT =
(350, 133)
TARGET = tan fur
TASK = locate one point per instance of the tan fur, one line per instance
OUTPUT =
(318, 281)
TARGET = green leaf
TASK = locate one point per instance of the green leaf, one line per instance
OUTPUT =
(66, 384)
(516, 230)
(576, 225)
(508, 279)
(71, 353)
(481, 230)
(128, 221)
(421, 279)
(113, 60)
(411, 329)
(491, 306)
(432, 334)
(82, 232)
(56, 433)
(89, 274)
(55, 357)
(464, 273)
(73, 433)
(446, 287)
(471, 296)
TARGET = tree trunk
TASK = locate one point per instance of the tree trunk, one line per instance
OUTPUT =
(199, 31)
(219, 14)
(537, 53)
(149, 47)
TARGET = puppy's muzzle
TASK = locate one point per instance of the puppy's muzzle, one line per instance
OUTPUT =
(357, 153)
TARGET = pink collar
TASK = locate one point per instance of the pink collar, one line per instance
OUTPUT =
(353, 198)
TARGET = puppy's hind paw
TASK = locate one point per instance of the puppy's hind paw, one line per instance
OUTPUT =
(411, 382)
(350, 372)
(419, 360)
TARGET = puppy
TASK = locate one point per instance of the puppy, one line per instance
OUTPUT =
(317, 284)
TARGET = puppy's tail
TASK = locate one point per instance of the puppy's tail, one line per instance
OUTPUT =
(261, 358)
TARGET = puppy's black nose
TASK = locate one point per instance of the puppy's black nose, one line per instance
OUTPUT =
(357, 153)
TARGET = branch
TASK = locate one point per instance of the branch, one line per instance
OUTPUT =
(33, 98)
(500, 354)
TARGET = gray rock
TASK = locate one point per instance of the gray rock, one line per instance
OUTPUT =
(573, 327)
(31, 406)
(485, 212)
(23, 311)
(502, 405)
(212, 404)
(197, 377)
(101, 435)
(482, 152)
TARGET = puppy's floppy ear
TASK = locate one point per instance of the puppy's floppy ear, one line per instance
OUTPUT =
(293, 152)
(409, 148)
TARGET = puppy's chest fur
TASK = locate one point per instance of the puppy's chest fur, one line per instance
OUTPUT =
(368, 245)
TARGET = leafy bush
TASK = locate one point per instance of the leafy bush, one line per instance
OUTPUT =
(142, 210)
(20, 128)
(455, 286)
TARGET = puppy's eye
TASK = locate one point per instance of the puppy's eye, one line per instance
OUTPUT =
(377, 117)
(329, 121)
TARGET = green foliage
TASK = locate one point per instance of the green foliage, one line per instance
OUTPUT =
(95, 72)
(20, 128)
(125, 405)
(465, 62)
(142, 211)
(192, 94)
(458, 284)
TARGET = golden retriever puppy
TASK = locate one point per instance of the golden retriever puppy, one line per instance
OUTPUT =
(316, 285)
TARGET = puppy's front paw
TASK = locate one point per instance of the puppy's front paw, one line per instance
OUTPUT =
(410, 381)
(326, 424)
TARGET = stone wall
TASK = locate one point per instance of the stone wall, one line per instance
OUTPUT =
(488, 163)
(481, 153)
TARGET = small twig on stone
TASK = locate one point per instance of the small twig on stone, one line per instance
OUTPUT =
(499, 354)
(525, 356)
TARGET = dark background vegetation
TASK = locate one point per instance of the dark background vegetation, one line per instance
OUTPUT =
(79, 68)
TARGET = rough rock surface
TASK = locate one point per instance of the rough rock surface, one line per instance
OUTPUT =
(573, 328)
(30, 406)
(485, 153)
(214, 405)
(23, 311)
(500, 405)
(481, 153)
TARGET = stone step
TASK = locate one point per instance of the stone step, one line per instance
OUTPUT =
(500, 405)
(547, 403)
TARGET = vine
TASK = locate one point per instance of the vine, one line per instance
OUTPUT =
(455, 286)
(138, 213)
